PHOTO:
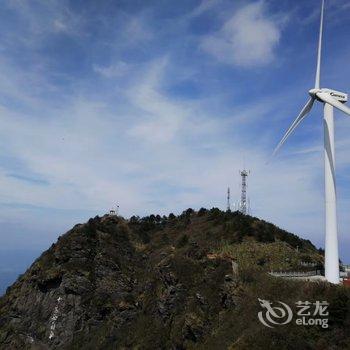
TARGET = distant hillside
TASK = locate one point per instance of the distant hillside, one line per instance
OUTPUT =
(167, 283)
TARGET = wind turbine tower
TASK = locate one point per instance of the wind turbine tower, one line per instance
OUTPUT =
(330, 99)
(243, 204)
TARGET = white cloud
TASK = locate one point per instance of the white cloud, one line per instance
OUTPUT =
(137, 30)
(161, 118)
(59, 25)
(113, 71)
(152, 152)
(247, 39)
(163, 156)
(203, 7)
(44, 18)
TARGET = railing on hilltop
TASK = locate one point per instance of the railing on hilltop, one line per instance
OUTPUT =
(295, 273)
(308, 264)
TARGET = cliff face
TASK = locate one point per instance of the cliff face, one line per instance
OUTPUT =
(163, 283)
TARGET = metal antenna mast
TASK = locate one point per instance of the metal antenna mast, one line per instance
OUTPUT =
(228, 199)
(243, 205)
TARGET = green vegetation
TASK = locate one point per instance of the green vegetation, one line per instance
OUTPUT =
(273, 256)
(167, 282)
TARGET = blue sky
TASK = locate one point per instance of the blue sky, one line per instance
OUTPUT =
(156, 105)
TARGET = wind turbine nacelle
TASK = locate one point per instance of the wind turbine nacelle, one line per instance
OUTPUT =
(340, 96)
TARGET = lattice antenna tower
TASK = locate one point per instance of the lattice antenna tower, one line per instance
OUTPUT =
(228, 199)
(244, 203)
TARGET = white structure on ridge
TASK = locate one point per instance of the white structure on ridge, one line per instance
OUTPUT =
(114, 212)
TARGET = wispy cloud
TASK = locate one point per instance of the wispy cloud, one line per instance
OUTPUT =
(90, 119)
(116, 70)
(248, 38)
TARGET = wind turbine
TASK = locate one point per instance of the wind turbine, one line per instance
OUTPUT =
(330, 98)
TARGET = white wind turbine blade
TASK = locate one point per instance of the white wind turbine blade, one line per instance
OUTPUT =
(304, 112)
(319, 52)
(333, 102)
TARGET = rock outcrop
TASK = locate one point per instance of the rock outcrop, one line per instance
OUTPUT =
(151, 283)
